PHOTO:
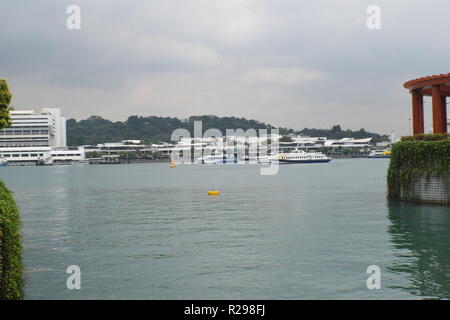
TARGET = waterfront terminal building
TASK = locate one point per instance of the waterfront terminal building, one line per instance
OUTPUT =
(46, 128)
(37, 138)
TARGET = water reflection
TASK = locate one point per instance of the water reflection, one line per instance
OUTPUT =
(420, 237)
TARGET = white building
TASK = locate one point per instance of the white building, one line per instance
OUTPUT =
(46, 128)
(41, 155)
(348, 143)
(117, 147)
(37, 138)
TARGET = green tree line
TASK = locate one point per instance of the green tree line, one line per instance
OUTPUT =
(11, 268)
(336, 132)
(155, 129)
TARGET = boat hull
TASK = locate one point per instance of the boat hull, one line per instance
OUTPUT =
(216, 160)
(303, 161)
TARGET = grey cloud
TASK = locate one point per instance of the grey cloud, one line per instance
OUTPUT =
(294, 63)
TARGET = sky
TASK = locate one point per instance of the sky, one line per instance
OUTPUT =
(291, 63)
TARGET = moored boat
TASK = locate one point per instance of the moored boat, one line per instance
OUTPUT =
(380, 154)
(216, 159)
(300, 156)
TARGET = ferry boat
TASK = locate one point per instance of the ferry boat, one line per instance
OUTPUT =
(216, 159)
(256, 159)
(380, 154)
(300, 156)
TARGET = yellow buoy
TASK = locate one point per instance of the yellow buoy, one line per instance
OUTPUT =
(213, 193)
(172, 165)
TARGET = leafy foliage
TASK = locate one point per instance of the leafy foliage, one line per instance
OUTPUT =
(427, 137)
(10, 247)
(286, 139)
(5, 100)
(154, 129)
(416, 158)
(336, 132)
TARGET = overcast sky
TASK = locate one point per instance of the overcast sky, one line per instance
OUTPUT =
(295, 63)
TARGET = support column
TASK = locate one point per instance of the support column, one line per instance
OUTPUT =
(439, 111)
(444, 113)
(417, 113)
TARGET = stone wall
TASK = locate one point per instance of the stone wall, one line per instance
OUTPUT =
(419, 169)
(429, 188)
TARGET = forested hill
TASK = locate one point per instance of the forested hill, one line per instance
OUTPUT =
(336, 132)
(154, 129)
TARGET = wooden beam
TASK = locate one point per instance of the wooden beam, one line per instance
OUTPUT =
(439, 111)
(417, 113)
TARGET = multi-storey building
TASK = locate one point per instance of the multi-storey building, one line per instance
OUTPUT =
(46, 128)
(37, 138)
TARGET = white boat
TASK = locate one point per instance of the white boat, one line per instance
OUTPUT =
(263, 159)
(300, 156)
(256, 159)
(2, 162)
(380, 154)
(216, 159)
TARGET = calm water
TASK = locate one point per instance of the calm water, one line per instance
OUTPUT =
(145, 231)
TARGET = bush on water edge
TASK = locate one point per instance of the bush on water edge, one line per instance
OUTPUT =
(10, 247)
(427, 137)
(413, 158)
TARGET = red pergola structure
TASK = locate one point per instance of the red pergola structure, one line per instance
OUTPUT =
(438, 87)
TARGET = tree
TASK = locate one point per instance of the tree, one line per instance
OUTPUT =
(286, 139)
(10, 240)
(336, 128)
(5, 100)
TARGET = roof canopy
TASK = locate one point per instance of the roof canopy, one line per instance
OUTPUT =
(423, 85)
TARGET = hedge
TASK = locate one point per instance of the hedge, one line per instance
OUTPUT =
(426, 137)
(5, 100)
(416, 158)
(10, 247)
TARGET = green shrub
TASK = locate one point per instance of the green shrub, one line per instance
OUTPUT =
(416, 158)
(10, 247)
(427, 137)
(5, 100)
